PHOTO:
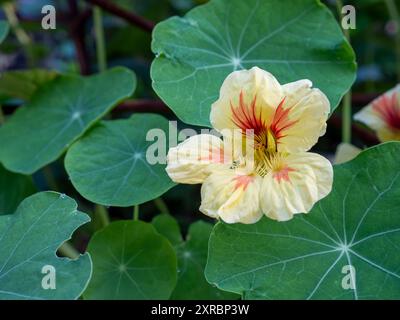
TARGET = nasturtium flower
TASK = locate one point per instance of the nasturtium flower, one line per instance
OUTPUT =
(383, 115)
(261, 166)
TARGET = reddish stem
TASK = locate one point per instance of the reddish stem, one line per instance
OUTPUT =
(77, 32)
(126, 15)
(144, 105)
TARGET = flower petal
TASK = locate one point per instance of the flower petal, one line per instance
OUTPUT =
(247, 99)
(307, 111)
(369, 117)
(346, 152)
(232, 195)
(304, 179)
(192, 160)
(383, 115)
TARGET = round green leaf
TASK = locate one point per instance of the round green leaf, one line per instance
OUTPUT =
(192, 257)
(29, 239)
(347, 247)
(13, 189)
(3, 30)
(109, 165)
(59, 113)
(291, 39)
(131, 261)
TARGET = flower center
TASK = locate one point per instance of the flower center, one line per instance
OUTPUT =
(264, 135)
(266, 162)
(265, 140)
(265, 132)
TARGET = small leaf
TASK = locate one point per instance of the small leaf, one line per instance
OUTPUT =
(357, 227)
(13, 189)
(131, 261)
(3, 30)
(291, 39)
(59, 113)
(24, 83)
(29, 240)
(192, 257)
(109, 165)
(167, 226)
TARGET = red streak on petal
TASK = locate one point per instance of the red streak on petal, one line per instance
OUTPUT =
(281, 121)
(215, 155)
(283, 174)
(388, 108)
(244, 116)
(243, 181)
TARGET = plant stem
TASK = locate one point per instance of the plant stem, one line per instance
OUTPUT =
(395, 16)
(77, 32)
(50, 178)
(102, 215)
(2, 117)
(100, 45)
(67, 250)
(161, 206)
(346, 118)
(20, 34)
(136, 212)
(126, 15)
(346, 102)
(143, 105)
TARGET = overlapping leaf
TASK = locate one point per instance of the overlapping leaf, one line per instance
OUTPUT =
(29, 239)
(166, 225)
(59, 113)
(110, 164)
(192, 257)
(131, 261)
(356, 228)
(291, 39)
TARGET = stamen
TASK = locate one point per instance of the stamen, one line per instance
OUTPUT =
(272, 162)
(265, 138)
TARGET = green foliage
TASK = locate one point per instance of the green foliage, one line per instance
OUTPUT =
(166, 225)
(192, 257)
(3, 30)
(24, 83)
(13, 189)
(293, 40)
(58, 114)
(109, 165)
(120, 161)
(29, 240)
(131, 261)
(357, 224)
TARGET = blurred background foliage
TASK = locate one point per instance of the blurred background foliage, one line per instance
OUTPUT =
(71, 48)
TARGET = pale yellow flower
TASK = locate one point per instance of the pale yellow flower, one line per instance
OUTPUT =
(346, 152)
(383, 115)
(265, 169)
